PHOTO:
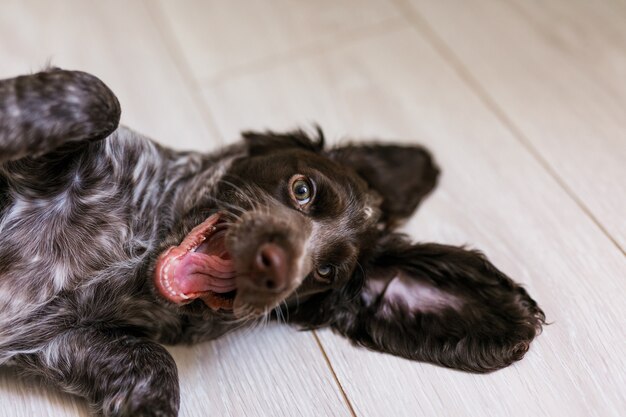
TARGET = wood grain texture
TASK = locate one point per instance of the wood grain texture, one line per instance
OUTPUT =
(220, 39)
(118, 42)
(280, 372)
(494, 195)
(556, 70)
(361, 71)
(25, 397)
(274, 371)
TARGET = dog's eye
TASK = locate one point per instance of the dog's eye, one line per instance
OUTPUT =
(301, 190)
(326, 271)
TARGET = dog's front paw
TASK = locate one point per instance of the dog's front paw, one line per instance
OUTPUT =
(149, 385)
(144, 400)
(120, 375)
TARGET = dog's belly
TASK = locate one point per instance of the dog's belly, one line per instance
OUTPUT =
(53, 243)
(54, 239)
(74, 243)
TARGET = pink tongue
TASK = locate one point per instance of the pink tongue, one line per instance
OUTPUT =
(197, 272)
(209, 268)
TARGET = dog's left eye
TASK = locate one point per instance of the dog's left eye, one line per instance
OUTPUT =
(301, 190)
(325, 271)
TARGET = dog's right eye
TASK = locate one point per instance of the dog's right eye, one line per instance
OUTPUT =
(301, 189)
(325, 272)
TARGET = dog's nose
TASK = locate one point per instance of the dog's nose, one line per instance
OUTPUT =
(269, 268)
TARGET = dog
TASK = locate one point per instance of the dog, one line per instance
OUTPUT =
(111, 244)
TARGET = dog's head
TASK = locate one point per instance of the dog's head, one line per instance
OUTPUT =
(308, 232)
(290, 220)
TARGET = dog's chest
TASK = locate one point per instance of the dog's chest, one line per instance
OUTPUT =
(55, 239)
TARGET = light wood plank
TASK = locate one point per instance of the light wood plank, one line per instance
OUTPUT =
(280, 372)
(493, 195)
(557, 70)
(118, 42)
(20, 397)
(218, 38)
(274, 371)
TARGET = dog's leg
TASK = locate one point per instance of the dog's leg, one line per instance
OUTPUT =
(41, 112)
(119, 375)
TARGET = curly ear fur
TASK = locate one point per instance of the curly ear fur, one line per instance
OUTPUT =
(401, 175)
(85, 212)
(434, 303)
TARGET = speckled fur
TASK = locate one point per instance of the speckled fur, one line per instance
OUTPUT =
(86, 207)
(76, 236)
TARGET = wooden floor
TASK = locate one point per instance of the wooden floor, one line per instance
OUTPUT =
(522, 101)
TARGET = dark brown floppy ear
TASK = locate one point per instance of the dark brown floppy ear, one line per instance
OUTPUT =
(401, 175)
(268, 141)
(440, 304)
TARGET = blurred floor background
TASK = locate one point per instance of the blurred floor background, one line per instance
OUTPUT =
(523, 103)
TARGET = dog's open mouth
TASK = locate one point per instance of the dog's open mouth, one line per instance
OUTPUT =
(200, 267)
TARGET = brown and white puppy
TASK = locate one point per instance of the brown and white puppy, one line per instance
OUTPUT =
(111, 244)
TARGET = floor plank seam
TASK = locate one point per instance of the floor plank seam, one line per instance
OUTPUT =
(173, 49)
(332, 370)
(311, 50)
(420, 24)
